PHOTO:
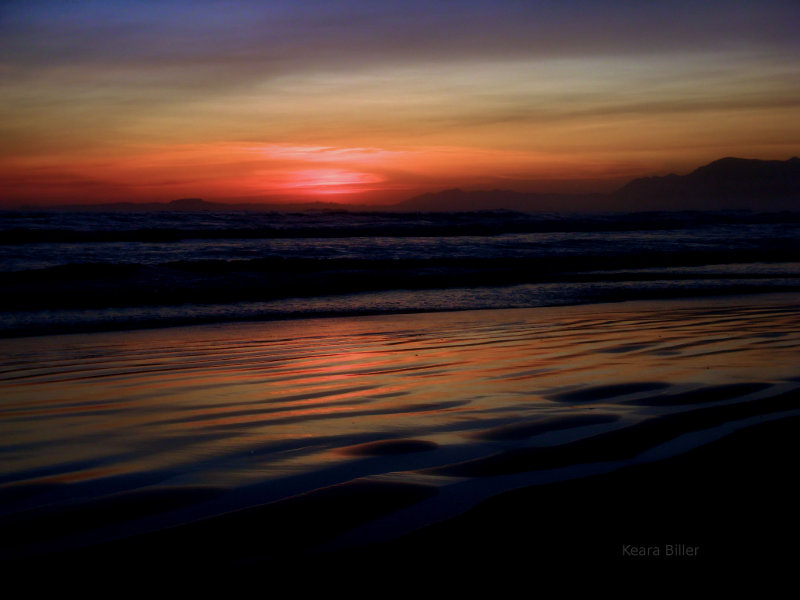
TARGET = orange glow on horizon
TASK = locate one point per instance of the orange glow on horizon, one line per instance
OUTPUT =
(325, 181)
(288, 172)
(274, 102)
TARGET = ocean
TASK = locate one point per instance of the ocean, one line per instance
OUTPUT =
(292, 393)
(71, 272)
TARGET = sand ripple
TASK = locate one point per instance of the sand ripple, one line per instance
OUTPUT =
(210, 430)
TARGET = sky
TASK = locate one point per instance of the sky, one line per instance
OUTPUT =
(357, 101)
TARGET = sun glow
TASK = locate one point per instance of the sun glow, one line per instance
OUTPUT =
(328, 181)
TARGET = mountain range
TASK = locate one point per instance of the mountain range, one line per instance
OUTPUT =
(727, 183)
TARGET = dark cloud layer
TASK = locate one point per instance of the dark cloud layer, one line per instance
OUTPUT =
(284, 36)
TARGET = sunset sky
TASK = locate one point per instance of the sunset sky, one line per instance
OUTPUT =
(367, 101)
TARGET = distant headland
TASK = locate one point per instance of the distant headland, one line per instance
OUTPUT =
(725, 184)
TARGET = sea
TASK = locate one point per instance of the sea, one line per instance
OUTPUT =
(88, 271)
(250, 389)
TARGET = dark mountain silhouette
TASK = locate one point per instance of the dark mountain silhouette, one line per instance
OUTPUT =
(725, 184)
(458, 200)
(728, 183)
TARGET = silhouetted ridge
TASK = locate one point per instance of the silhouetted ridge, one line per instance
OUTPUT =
(455, 200)
(725, 183)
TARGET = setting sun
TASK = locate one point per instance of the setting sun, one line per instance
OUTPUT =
(329, 181)
(346, 291)
(274, 102)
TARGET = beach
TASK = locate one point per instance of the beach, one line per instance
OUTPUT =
(353, 297)
(643, 433)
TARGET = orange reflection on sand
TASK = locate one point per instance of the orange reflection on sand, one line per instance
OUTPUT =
(258, 395)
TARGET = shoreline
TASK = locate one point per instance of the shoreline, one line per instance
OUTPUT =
(387, 437)
(257, 314)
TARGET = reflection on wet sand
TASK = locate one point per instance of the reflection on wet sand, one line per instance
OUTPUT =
(179, 438)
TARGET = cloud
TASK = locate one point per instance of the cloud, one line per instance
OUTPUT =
(200, 90)
(282, 36)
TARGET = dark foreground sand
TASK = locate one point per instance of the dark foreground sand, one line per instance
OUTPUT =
(667, 439)
(729, 504)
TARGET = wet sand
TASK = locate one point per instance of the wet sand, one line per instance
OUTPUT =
(641, 435)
